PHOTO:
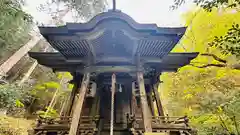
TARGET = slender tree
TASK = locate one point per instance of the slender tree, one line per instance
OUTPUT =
(85, 10)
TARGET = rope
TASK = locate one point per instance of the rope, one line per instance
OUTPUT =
(112, 103)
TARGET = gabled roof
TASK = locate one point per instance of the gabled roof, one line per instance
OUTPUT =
(112, 34)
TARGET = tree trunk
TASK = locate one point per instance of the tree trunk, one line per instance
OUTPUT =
(29, 72)
(8, 64)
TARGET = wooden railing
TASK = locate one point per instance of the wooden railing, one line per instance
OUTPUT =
(66, 120)
(158, 121)
(88, 124)
(161, 124)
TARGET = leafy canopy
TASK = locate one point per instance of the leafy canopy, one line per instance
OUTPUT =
(14, 26)
(209, 95)
(208, 5)
(81, 10)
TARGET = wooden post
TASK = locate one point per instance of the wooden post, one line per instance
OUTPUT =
(158, 101)
(94, 107)
(78, 108)
(133, 100)
(112, 102)
(150, 102)
(147, 121)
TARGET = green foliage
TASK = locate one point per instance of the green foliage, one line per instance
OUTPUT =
(19, 103)
(210, 96)
(209, 5)
(228, 43)
(203, 123)
(43, 93)
(87, 8)
(8, 96)
(206, 95)
(14, 99)
(82, 10)
(214, 24)
(14, 26)
(51, 113)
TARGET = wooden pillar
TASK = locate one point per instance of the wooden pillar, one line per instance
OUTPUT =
(147, 120)
(133, 100)
(71, 99)
(78, 108)
(150, 102)
(158, 101)
(94, 107)
(100, 122)
(112, 102)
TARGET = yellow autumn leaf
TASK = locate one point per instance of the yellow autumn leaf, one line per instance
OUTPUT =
(185, 91)
(67, 75)
(70, 86)
(52, 85)
(190, 109)
(219, 109)
(59, 75)
(221, 73)
(19, 103)
(188, 96)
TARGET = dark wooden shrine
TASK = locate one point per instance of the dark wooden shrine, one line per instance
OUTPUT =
(116, 63)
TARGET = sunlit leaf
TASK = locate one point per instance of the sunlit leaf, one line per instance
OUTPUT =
(52, 85)
(19, 103)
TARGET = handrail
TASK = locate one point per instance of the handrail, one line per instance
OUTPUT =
(65, 119)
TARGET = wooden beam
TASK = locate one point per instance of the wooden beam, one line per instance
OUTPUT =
(124, 81)
(79, 105)
(147, 121)
(110, 69)
(158, 101)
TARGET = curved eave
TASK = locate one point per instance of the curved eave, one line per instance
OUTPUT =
(109, 16)
(57, 62)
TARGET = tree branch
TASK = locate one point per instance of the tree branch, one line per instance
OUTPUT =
(209, 65)
(234, 66)
(215, 57)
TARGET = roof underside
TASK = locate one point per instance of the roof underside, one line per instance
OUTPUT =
(57, 62)
(112, 34)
